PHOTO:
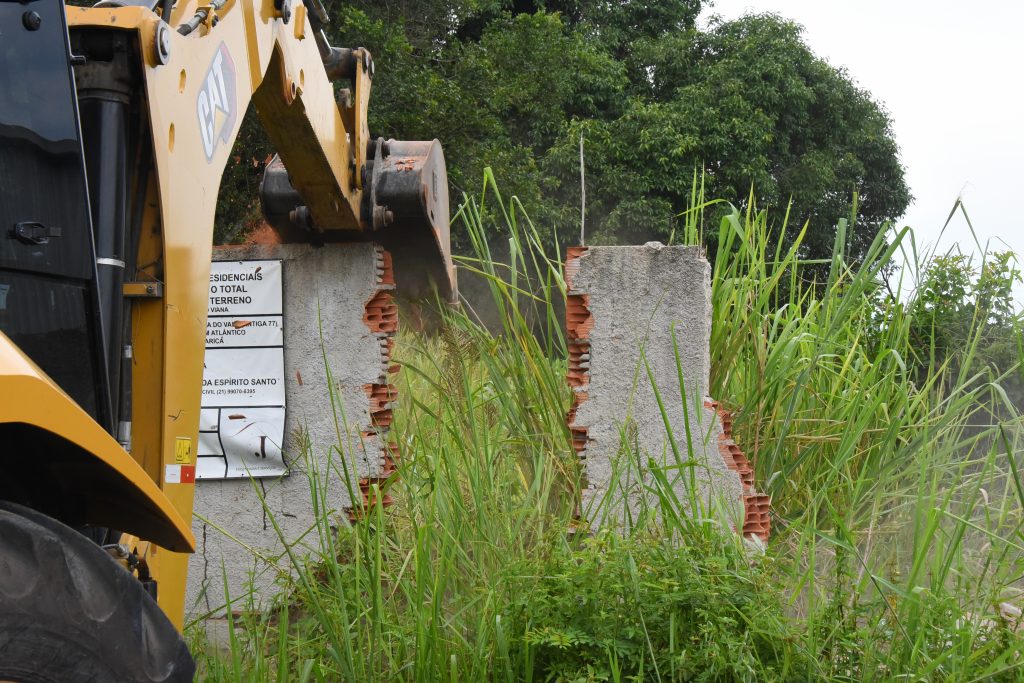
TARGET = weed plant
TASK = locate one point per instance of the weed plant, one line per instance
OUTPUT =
(898, 539)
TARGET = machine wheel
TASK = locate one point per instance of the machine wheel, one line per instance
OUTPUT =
(70, 613)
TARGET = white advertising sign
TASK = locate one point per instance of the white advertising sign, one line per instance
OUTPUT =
(243, 377)
(241, 426)
(245, 288)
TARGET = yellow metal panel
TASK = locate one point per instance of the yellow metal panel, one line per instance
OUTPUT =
(148, 346)
(29, 397)
(143, 290)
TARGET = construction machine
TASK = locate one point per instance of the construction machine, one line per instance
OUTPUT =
(116, 123)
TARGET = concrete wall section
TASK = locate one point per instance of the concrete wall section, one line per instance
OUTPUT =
(337, 309)
(624, 306)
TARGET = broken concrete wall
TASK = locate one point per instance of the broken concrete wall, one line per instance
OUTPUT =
(339, 323)
(633, 314)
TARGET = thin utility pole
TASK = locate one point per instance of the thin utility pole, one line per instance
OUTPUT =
(583, 196)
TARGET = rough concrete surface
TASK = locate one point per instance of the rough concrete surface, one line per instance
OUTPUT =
(623, 306)
(336, 308)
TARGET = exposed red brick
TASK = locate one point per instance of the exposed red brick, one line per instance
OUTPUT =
(381, 313)
(381, 397)
(262, 234)
(385, 269)
(579, 364)
(572, 264)
(578, 399)
(578, 320)
(580, 439)
(578, 324)
(381, 317)
(369, 498)
(757, 518)
(389, 458)
(733, 455)
(736, 461)
(756, 506)
(726, 418)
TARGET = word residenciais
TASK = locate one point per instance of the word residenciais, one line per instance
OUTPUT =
(226, 289)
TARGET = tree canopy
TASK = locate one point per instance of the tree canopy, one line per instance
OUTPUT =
(513, 84)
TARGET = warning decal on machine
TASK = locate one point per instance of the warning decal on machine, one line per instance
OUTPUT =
(183, 450)
(241, 426)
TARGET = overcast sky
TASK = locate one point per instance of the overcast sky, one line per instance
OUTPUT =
(951, 75)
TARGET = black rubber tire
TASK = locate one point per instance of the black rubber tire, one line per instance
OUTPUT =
(70, 614)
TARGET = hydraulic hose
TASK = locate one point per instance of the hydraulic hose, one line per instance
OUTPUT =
(199, 17)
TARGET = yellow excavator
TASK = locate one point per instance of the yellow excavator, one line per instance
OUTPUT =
(116, 123)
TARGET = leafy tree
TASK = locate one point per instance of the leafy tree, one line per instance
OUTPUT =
(238, 204)
(967, 316)
(513, 84)
(749, 102)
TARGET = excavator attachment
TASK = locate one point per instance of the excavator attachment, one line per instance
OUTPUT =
(404, 208)
(393, 192)
(408, 208)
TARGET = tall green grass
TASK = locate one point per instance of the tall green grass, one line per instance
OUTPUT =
(898, 529)
(900, 521)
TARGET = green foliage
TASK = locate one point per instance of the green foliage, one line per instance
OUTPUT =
(512, 85)
(896, 531)
(899, 487)
(700, 611)
(956, 300)
(238, 204)
(751, 103)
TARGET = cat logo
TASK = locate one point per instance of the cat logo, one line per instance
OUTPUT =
(216, 106)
